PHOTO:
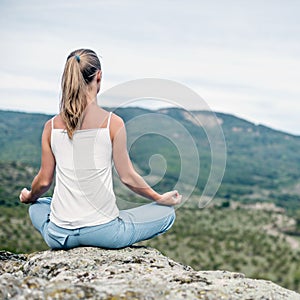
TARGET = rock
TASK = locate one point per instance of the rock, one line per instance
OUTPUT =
(129, 273)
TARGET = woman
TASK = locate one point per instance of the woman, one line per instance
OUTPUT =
(80, 144)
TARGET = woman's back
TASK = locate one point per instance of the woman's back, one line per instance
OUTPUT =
(83, 194)
(80, 144)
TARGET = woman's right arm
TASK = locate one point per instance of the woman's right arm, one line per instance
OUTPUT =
(43, 179)
(126, 171)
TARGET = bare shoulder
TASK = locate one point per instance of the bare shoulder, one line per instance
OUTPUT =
(116, 121)
(116, 126)
(47, 131)
(48, 125)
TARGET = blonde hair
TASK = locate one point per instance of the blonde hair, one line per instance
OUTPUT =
(80, 69)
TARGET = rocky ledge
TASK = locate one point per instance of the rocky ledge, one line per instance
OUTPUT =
(130, 273)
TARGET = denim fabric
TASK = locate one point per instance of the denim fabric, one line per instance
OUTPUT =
(132, 225)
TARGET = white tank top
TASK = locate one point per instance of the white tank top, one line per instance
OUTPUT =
(83, 194)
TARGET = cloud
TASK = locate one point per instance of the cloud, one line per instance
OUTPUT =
(243, 59)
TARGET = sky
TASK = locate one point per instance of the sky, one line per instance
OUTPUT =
(242, 57)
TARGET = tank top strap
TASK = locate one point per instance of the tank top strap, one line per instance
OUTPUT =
(52, 122)
(108, 121)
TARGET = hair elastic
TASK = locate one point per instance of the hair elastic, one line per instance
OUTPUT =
(77, 58)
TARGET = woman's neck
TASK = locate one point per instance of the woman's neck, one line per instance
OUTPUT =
(92, 92)
(91, 100)
(91, 96)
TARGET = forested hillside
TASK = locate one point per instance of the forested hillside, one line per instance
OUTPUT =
(262, 164)
(233, 233)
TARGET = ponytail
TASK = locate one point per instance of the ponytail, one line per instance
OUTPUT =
(80, 69)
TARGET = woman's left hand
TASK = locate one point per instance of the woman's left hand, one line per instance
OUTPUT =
(25, 196)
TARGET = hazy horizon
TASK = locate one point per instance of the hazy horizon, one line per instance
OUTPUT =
(156, 109)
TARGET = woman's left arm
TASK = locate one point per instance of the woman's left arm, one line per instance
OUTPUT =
(43, 179)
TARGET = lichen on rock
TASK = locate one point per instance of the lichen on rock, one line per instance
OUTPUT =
(129, 273)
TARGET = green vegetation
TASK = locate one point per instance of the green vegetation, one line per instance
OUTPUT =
(20, 136)
(14, 176)
(213, 238)
(262, 166)
(233, 240)
(17, 233)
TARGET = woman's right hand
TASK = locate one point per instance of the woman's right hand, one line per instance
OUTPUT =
(25, 196)
(170, 198)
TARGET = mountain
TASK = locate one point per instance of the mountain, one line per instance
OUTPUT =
(20, 135)
(262, 163)
(242, 230)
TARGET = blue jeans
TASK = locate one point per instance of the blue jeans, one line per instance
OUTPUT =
(132, 225)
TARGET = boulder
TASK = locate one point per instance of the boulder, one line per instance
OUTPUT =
(129, 273)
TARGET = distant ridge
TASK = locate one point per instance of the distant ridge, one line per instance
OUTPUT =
(261, 162)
